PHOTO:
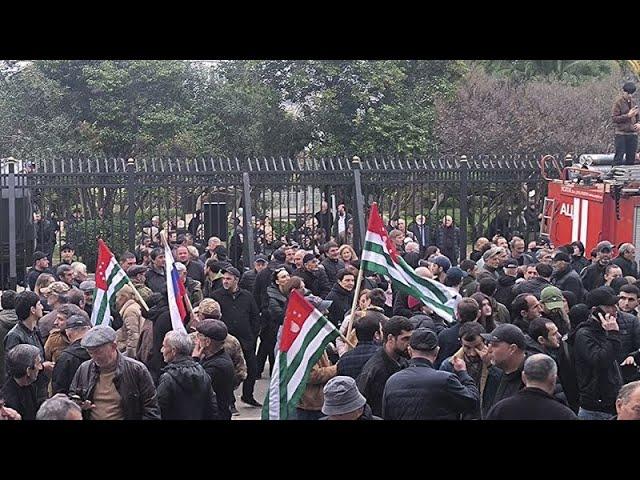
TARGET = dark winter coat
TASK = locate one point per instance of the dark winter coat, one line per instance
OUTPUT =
(419, 392)
(342, 301)
(579, 263)
(533, 286)
(504, 292)
(132, 381)
(161, 318)
(325, 220)
(421, 235)
(262, 282)
(316, 281)
(277, 304)
(185, 392)
(628, 267)
(248, 280)
(629, 326)
(67, 365)
(8, 320)
(32, 277)
(156, 281)
(571, 281)
(596, 354)
(593, 276)
(448, 241)
(240, 314)
(374, 376)
(331, 268)
(531, 404)
(351, 363)
(219, 367)
(195, 270)
(448, 342)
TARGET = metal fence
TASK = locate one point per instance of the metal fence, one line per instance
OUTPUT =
(252, 203)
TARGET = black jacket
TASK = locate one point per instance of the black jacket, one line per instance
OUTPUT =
(19, 335)
(510, 384)
(579, 263)
(448, 342)
(316, 281)
(332, 267)
(185, 392)
(421, 234)
(595, 355)
(24, 400)
(374, 376)
(161, 318)
(533, 286)
(132, 381)
(628, 267)
(531, 404)
(351, 363)
(32, 276)
(277, 304)
(504, 292)
(342, 301)
(419, 392)
(593, 276)
(8, 320)
(240, 314)
(67, 365)
(325, 220)
(195, 270)
(570, 280)
(630, 343)
(248, 280)
(156, 282)
(219, 367)
(448, 241)
(262, 282)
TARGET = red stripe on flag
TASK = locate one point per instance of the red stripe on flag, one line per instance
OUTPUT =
(377, 226)
(104, 258)
(298, 310)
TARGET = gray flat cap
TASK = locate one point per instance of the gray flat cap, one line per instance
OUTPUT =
(98, 336)
(87, 286)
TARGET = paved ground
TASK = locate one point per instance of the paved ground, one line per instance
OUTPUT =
(248, 412)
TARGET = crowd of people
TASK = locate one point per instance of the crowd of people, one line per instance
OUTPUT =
(540, 331)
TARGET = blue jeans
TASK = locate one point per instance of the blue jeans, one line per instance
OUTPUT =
(592, 415)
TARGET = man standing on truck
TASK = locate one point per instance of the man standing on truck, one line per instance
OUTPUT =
(625, 117)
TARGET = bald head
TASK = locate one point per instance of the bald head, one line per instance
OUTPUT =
(424, 272)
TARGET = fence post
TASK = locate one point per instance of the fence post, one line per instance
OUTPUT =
(359, 227)
(131, 200)
(464, 210)
(248, 227)
(11, 183)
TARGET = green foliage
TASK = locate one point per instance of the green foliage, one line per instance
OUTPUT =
(573, 72)
(84, 236)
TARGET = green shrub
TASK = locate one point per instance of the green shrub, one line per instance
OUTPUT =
(84, 236)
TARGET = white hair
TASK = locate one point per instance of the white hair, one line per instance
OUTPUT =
(179, 341)
(79, 267)
(180, 267)
(412, 247)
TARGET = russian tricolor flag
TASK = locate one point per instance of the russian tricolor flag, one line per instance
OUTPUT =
(175, 291)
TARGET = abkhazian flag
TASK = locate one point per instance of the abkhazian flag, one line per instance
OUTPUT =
(381, 256)
(305, 335)
(110, 278)
(175, 291)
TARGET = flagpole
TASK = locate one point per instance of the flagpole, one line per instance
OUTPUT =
(135, 290)
(355, 303)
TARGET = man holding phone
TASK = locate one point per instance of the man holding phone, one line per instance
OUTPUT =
(597, 347)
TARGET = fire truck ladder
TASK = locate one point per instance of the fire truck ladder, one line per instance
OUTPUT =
(548, 209)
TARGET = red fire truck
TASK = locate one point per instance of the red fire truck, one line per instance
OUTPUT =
(591, 200)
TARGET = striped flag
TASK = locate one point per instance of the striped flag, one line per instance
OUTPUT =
(380, 255)
(109, 279)
(305, 335)
(175, 291)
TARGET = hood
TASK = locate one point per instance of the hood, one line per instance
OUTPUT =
(186, 373)
(8, 319)
(506, 281)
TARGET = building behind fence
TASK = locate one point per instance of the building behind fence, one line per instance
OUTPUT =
(79, 200)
